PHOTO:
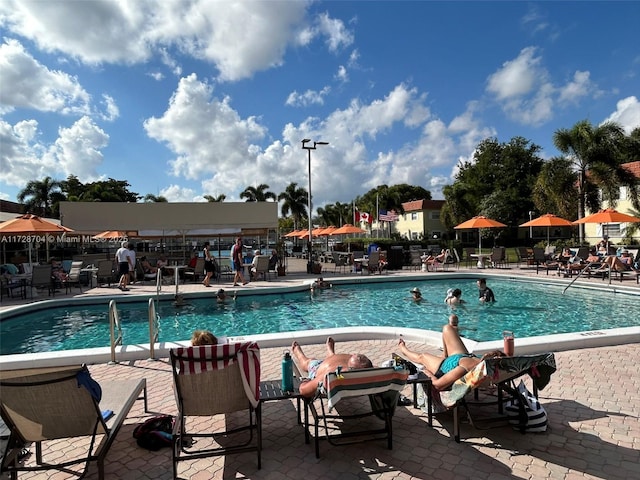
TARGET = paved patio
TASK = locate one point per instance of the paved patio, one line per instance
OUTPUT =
(592, 403)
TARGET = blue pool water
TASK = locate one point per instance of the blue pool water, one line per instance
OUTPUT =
(528, 309)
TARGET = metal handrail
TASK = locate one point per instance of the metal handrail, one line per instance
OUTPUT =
(584, 270)
(154, 328)
(114, 324)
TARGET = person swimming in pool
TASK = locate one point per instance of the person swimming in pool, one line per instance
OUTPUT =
(454, 363)
(318, 369)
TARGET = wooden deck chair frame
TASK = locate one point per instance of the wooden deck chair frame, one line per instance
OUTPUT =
(208, 393)
(382, 386)
(47, 404)
(500, 372)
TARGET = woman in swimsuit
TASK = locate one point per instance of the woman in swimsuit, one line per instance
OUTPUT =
(454, 363)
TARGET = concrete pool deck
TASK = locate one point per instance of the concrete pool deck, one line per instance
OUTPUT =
(592, 403)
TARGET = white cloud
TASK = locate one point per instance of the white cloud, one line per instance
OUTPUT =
(131, 32)
(517, 77)
(157, 76)
(337, 35)
(176, 193)
(34, 86)
(574, 90)
(111, 109)
(25, 157)
(77, 150)
(310, 97)
(527, 95)
(342, 76)
(627, 114)
(207, 135)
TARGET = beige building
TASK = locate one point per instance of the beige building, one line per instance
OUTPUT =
(421, 220)
(616, 231)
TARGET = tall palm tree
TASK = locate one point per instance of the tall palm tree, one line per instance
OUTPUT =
(151, 198)
(595, 153)
(258, 194)
(555, 189)
(294, 201)
(220, 198)
(42, 197)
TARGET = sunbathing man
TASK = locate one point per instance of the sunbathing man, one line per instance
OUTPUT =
(454, 363)
(318, 369)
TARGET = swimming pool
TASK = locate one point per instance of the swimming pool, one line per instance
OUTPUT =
(528, 309)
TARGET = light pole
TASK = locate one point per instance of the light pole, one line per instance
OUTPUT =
(530, 227)
(308, 148)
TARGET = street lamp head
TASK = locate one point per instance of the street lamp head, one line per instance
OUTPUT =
(305, 140)
(320, 143)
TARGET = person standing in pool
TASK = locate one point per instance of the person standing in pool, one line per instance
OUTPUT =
(416, 295)
(453, 297)
(485, 294)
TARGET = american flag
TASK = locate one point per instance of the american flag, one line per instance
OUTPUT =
(388, 216)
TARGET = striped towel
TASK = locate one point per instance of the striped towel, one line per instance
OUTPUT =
(366, 381)
(194, 360)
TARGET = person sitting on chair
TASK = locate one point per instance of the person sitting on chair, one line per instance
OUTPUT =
(454, 363)
(203, 337)
(318, 369)
(147, 267)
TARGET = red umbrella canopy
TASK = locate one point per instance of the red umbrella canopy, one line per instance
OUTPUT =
(608, 215)
(548, 220)
(347, 229)
(31, 225)
(480, 222)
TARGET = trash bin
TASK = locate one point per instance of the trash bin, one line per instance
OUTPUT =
(395, 258)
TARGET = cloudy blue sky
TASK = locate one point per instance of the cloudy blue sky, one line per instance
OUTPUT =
(187, 98)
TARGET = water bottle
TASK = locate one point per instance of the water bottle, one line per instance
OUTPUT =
(287, 372)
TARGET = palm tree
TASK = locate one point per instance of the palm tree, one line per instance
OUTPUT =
(595, 153)
(220, 198)
(555, 189)
(151, 198)
(258, 194)
(42, 197)
(295, 202)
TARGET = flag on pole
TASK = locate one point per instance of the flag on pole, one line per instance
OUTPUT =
(363, 217)
(388, 216)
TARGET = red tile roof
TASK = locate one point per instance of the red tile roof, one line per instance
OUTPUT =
(633, 167)
(416, 205)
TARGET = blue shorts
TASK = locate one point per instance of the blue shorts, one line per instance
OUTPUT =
(313, 368)
(237, 267)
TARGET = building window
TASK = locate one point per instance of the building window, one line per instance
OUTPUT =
(611, 229)
(414, 216)
(435, 215)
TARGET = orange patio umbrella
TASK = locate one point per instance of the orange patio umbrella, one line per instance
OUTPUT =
(608, 215)
(32, 226)
(326, 231)
(115, 234)
(548, 220)
(347, 229)
(479, 222)
(293, 233)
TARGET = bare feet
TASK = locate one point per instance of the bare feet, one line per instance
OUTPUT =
(401, 341)
(295, 345)
(331, 345)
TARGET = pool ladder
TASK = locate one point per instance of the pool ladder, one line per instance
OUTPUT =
(115, 329)
(154, 328)
(580, 274)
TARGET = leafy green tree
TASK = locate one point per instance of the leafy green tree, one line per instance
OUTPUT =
(500, 179)
(597, 154)
(258, 194)
(391, 197)
(110, 190)
(220, 198)
(294, 201)
(151, 198)
(555, 189)
(42, 197)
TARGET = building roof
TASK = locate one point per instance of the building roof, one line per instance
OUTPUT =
(633, 167)
(416, 205)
